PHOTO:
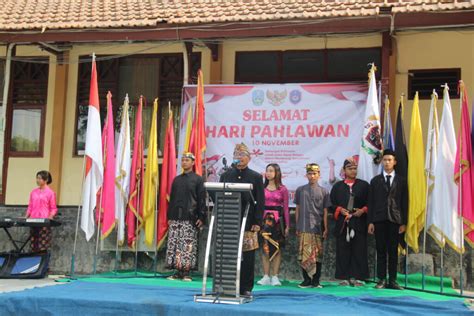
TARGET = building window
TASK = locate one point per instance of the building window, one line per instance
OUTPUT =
(425, 80)
(152, 76)
(302, 66)
(306, 66)
(257, 67)
(26, 130)
(29, 92)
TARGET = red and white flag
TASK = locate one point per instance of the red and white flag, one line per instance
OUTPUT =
(93, 154)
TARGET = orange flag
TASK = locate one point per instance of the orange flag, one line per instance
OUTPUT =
(168, 173)
(199, 147)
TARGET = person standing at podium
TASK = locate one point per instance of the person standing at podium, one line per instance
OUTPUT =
(42, 204)
(241, 173)
(186, 215)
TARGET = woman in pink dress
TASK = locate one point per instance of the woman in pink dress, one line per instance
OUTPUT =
(276, 224)
(42, 204)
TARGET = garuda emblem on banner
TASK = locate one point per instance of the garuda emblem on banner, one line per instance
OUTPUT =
(372, 140)
(276, 98)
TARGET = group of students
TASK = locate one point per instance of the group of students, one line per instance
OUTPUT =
(359, 209)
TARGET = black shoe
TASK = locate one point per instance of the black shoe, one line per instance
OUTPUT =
(393, 285)
(380, 284)
(315, 283)
(305, 284)
(246, 293)
(174, 277)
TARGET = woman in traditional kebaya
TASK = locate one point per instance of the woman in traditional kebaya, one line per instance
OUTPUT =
(42, 204)
(276, 224)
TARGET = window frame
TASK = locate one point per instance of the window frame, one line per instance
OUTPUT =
(239, 79)
(195, 61)
(12, 107)
(411, 91)
(75, 152)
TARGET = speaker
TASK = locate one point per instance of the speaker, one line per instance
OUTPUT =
(24, 265)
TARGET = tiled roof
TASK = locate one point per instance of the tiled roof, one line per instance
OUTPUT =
(100, 14)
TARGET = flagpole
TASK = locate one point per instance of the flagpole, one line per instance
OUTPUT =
(117, 241)
(442, 267)
(405, 234)
(94, 269)
(381, 106)
(137, 230)
(424, 228)
(124, 200)
(431, 136)
(137, 236)
(79, 208)
(406, 260)
(99, 235)
(117, 251)
(117, 248)
(155, 259)
(461, 226)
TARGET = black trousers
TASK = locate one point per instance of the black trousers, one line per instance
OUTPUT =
(247, 271)
(351, 257)
(386, 242)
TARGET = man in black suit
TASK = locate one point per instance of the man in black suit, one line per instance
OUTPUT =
(241, 173)
(387, 218)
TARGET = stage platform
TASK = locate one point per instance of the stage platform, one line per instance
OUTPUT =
(144, 294)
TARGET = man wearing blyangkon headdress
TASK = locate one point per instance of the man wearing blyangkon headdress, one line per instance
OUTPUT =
(241, 173)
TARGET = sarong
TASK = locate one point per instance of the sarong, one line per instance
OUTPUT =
(310, 251)
(182, 250)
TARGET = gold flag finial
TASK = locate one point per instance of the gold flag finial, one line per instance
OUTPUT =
(372, 68)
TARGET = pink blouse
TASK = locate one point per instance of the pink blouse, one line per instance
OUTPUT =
(279, 198)
(42, 203)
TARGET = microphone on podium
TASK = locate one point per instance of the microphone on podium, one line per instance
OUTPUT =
(235, 162)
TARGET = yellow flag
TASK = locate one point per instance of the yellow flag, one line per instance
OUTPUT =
(416, 179)
(189, 126)
(151, 180)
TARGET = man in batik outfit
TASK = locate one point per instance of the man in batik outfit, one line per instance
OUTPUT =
(312, 202)
(186, 215)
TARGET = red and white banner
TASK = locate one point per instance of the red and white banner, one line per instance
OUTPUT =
(288, 124)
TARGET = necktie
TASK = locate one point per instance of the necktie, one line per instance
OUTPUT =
(387, 181)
